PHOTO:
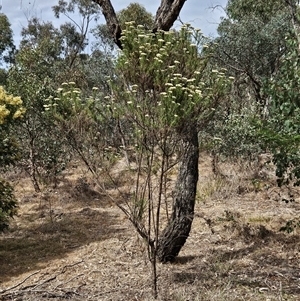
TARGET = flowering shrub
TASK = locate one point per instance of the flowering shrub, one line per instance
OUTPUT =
(166, 87)
(85, 122)
(11, 109)
(166, 77)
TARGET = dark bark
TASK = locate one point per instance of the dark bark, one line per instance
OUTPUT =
(167, 14)
(177, 231)
(32, 166)
(111, 20)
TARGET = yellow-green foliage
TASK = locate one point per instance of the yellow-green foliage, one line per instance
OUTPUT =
(10, 106)
(8, 204)
(10, 109)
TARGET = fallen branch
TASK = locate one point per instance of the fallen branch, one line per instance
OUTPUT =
(20, 283)
(63, 283)
(32, 288)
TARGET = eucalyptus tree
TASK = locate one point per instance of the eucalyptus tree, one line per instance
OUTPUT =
(283, 126)
(49, 56)
(137, 13)
(251, 43)
(281, 131)
(33, 77)
(259, 44)
(7, 47)
(75, 32)
(41, 65)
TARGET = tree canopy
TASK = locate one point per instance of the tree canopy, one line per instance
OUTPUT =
(7, 47)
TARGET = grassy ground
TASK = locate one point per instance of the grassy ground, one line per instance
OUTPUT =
(71, 242)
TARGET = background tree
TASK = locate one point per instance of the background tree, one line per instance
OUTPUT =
(47, 57)
(280, 132)
(137, 13)
(259, 44)
(33, 76)
(250, 45)
(7, 47)
(74, 33)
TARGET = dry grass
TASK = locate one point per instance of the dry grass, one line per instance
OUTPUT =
(72, 243)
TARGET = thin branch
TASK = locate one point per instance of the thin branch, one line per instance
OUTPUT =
(219, 6)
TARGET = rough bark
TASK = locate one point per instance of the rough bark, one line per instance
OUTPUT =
(111, 20)
(177, 231)
(167, 14)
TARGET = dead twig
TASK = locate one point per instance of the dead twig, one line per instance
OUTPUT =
(32, 288)
(63, 270)
(51, 294)
(20, 283)
(71, 265)
(64, 283)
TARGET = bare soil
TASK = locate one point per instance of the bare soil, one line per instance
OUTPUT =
(70, 242)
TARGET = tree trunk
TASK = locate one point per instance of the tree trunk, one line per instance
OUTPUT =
(32, 167)
(167, 14)
(177, 231)
(111, 20)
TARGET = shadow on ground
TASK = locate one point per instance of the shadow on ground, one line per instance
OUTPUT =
(265, 260)
(41, 234)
